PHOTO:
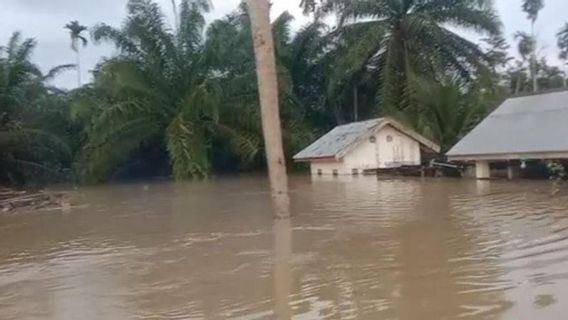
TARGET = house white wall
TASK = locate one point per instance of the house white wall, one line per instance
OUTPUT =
(399, 150)
(328, 167)
(390, 149)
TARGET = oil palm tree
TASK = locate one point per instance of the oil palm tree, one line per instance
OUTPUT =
(532, 8)
(300, 70)
(30, 148)
(77, 39)
(451, 109)
(526, 48)
(159, 91)
(401, 39)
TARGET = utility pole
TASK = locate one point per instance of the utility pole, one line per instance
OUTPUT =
(259, 12)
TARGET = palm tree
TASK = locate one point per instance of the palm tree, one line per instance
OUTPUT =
(563, 46)
(75, 32)
(525, 47)
(451, 109)
(268, 92)
(301, 79)
(160, 92)
(31, 148)
(400, 40)
(532, 8)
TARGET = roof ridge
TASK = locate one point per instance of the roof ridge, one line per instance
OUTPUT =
(527, 112)
(539, 93)
(360, 122)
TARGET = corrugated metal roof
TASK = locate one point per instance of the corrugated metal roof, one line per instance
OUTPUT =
(338, 140)
(521, 125)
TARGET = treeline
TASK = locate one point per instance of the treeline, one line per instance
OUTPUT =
(182, 100)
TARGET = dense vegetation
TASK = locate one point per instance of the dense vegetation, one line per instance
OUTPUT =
(181, 98)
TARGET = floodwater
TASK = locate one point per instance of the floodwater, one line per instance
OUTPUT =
(357, 248)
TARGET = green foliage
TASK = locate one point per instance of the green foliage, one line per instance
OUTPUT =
(186, 95)
(34, 124)
(527, 44)
(194, 96)
(406, 40)
(532, 8)
(563, 42)
(452, 108)
(75, 32)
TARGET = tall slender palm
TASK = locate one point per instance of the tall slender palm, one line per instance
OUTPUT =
(525, 47)
(259, 11)
(77, 39)
(563, 46)
(532, 8)
(401, 39)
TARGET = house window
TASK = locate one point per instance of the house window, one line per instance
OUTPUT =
(389, 138)
(335, 172)
(320, 172)
(355, 172)
(373, 139)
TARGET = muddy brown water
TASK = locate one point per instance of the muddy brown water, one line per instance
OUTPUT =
(357, 249)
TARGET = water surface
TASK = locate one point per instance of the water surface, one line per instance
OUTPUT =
(357, 249)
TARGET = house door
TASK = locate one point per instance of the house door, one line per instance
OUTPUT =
(398, 150)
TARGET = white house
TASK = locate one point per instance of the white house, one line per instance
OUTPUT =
(523, 128)
(369, 145)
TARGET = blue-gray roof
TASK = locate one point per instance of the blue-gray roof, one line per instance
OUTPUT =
(338, 140)
(521, 125)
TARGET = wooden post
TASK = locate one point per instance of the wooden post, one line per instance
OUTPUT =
(512, 172)
(259, 12)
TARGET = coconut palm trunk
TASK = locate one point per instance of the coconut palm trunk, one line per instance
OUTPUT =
(78, 53)
(75, 32)
(532, 9)
(533, 59)
(268, 94)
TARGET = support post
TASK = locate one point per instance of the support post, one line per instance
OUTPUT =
(482, 170)
(511, 172)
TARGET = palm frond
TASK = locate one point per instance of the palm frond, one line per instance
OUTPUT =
(563, 42)
(187, 148)
(246, 144)
(55, 71)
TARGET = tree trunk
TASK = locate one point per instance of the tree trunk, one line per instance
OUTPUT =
(78, 65)
(176, 16)
(533, 59)
(268, 93)
(533, 73)
(518, 84)
(564, 75)
(355, 104)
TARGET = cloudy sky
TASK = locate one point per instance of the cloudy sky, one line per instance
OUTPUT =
(44, 20)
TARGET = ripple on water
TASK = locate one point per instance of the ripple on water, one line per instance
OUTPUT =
(357, 249)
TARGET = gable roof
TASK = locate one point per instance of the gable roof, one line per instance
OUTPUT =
(521, 125)
(339, 141)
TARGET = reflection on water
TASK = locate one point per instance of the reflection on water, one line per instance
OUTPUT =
(357, 249)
